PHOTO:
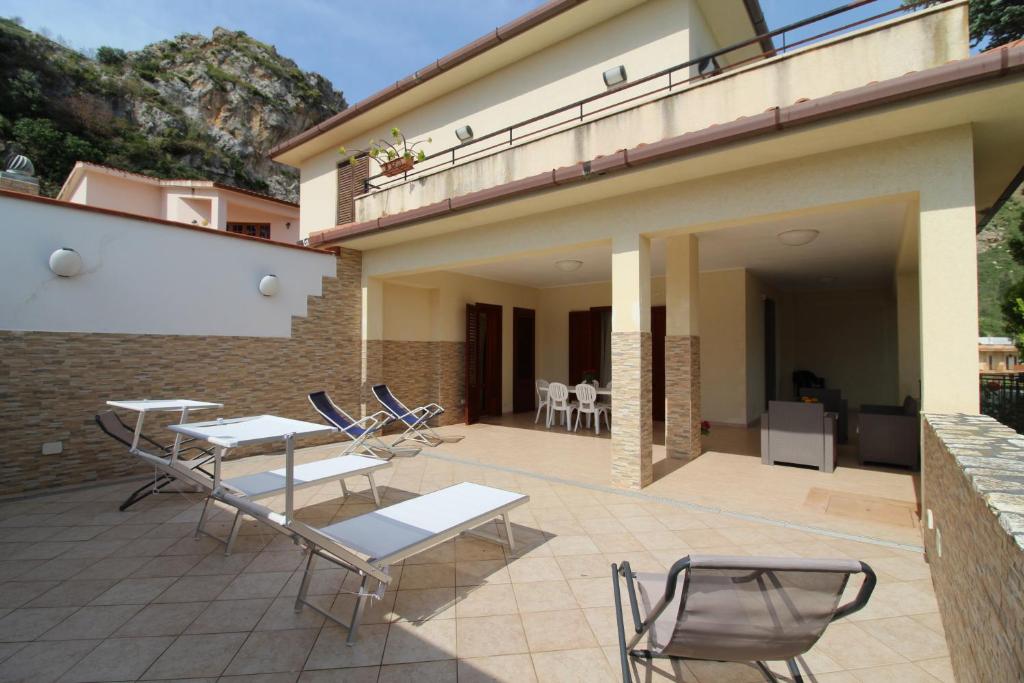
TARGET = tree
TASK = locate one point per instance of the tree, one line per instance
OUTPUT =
(1012, 305)
(111, 56)
(996, 21)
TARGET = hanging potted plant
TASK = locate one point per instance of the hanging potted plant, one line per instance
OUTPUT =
(395, 156)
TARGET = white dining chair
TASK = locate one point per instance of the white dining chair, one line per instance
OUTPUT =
(586, 404)
(543, 402)
(558, 402)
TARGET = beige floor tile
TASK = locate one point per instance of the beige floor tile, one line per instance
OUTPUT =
(331, 651)
(94, 621)
(281, 615)
(365, 674)
(425, 603)
(893, 673)
(162, 619)
(43, 662)
(930, 620)
(597, 592)
(907, 637)
(230, 616)
(602, 623)
(133, 591)
(31, 622)
(273, 651)
(444, 671)
(195, 589)
(193, 656)
(219, 563)
(617, 543)
(531, 569)
(940, 668)
(490, 636)
(261, 585)
(118, 659)
(275, 562)
(544, 596)
(851, 647)
(440, 575)
(420, 641)
(479, 572)
(375, 611)
(589, 665)
(486, 601)
(497, 669)
(565, 630)
(584, 566)
(572, 545)
(14, 594)
(175, 566)
(715, 672)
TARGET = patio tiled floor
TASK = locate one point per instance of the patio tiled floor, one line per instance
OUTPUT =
(90, 594)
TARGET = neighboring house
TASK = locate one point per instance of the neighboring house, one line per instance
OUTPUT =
(718, 221)
(997, 354)
(197, 202)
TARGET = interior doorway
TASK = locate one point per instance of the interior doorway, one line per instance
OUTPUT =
(524, 324)
(658, 322)
(483, 361)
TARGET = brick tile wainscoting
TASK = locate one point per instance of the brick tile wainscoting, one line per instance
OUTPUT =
(632, 464)
(682, 396)
(974, 487)
(421, 372)
(52, 384)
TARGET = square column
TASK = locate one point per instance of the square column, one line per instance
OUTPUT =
(682, 348)
(632, 465)
(372, 326)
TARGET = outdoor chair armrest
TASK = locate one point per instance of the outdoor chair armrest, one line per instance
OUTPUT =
(434, 408)
(623, 659)
(369, 423)
(866, 588)
(418, 413)
(383, 418)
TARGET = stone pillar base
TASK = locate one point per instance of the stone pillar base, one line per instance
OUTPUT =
(682, 397)
(632, 465)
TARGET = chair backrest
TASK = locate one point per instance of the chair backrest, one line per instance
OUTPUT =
(392, 404)
(758, 608)
(113, 427)
(334, 415)
(559, 394)
(540, 385)
(586, 394)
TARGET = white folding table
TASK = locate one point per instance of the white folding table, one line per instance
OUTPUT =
(226, 434)
(182, 405)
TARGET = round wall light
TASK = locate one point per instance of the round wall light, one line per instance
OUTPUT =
(66, 262)
(269, 285)
(568, 265)
(798, 238)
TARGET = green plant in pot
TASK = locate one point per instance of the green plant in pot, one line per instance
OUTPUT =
(395, 156)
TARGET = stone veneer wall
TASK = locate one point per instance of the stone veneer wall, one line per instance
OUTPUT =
(52, 384)
(682, 396)
(632, 463)
(421, 372)
(974, 487)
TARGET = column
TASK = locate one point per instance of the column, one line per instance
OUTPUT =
(631, 362)
(682, 348)
(948, 299)
(908, 335)
(373, 340)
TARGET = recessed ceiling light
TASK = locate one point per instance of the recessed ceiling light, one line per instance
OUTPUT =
(798, 238)
(568, 265)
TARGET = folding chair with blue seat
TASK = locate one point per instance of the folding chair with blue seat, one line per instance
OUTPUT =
(415, 420)
(364, 433)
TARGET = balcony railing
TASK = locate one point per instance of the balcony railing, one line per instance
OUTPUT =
(1002, 397)
(653, 86)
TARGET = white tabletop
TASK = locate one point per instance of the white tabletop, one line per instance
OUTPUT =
(242, 431)
(601, 391)
(147, 405)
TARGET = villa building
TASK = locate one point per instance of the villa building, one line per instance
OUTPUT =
(205, 203)
(997, 354)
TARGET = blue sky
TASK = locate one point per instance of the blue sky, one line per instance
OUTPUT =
(340, 39)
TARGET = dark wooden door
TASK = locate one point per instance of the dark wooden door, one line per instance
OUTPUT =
(523, 360)
(658, 362)
(472, 366)
(581, 345)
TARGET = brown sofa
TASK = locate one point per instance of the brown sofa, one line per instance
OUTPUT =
(800, 434)
(890, 435)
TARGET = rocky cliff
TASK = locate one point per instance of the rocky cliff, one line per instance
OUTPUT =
(190, 107)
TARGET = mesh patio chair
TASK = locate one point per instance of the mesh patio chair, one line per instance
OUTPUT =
(364, 433)
(735, 609)
(193, 456)
(415, 420)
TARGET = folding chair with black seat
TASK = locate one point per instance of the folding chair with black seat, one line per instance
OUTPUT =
(364, 433)
(416, 421)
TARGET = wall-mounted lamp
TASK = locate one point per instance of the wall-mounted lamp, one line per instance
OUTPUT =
(269, 285)
(66, 262)
(464, 133)
(615, 76)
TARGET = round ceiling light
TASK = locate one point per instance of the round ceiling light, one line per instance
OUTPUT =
(568, 265)
(798, 238)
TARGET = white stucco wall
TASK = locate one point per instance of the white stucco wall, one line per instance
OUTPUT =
(140, 277)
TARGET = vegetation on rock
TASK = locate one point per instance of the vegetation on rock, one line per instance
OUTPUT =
(190, 107)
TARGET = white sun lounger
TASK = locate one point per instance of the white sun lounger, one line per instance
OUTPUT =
(244, 431)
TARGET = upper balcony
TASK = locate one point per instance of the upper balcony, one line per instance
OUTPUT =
(813, 58)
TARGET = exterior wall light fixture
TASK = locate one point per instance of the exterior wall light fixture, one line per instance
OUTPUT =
(798, 238)
(464, 133)
(269, 285)
(568, 265)
(615, 76)
(66, 262)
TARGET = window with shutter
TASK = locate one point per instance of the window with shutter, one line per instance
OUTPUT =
(350, 186)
